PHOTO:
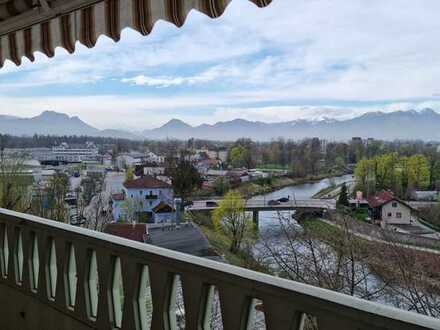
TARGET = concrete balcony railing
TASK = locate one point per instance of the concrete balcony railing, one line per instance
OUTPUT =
(55, 276)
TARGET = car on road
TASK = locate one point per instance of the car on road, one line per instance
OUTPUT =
(273, 202)
(211, 204)
(283, 199)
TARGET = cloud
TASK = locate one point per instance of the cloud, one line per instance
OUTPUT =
(206, 76)
(293, 59)
(273, 114)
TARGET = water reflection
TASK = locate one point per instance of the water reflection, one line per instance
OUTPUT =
(269, 221)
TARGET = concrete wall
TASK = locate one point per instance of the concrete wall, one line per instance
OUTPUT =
(20, 311)
(44, 307)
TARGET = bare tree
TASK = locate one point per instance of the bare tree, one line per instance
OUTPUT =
(413, 276)
(56, 191)
(331, 259)
(98, 213)
(336, 258)
(133, 207)
(15, 192)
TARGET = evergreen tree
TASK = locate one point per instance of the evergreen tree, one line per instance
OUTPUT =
(184, 177)
(343, 196)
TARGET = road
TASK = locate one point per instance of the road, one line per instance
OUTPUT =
(378, 240)
(265, 205)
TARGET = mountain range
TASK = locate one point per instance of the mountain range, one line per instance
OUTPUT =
(55, 123)
(404, 125)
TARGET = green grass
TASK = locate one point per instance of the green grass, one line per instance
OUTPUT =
(324, 192)
(430, 225)
(221, 243)
(319, 227)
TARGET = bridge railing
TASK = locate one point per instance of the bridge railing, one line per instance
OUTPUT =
(92, 280)
(267, 203)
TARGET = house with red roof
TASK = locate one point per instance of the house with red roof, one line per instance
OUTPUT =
(390, 210)
(146, 199)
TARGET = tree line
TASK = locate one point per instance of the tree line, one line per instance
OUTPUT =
(399, 173)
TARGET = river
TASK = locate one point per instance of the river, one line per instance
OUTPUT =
(270, 220)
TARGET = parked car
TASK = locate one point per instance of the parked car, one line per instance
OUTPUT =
(211, 204)
(273, 202)
(283, 199)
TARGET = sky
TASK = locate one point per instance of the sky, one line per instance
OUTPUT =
(302, 59)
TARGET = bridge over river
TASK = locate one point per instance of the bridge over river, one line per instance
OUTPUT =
(304, 206)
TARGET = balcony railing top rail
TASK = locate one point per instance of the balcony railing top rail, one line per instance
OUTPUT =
(105, 282)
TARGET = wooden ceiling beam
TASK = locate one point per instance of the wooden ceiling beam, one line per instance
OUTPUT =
(45, 11)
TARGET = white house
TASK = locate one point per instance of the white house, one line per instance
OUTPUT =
(145, 199)
(154, 170)
(153, 158)
(123, 161)
(390, 210)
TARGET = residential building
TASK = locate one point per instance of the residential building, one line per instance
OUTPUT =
(387, 209)
(204, 165)
(153, 169)
(146, 199)
(151, 157)
(65, 153)
(256, 174)
(216, 173)
(124, 161)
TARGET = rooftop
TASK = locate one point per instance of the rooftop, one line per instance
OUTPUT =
(163, 207)
(146, 182)
(187, 239)
(135, 232)
(380, 198)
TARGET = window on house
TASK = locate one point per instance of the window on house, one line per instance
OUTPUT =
(398, 215)
(394, 204)
(140, 192)
(389, 214)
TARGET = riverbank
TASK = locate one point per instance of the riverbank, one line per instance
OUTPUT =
(332, 191)
(269, 185)
(373, 234)
(220, 243)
